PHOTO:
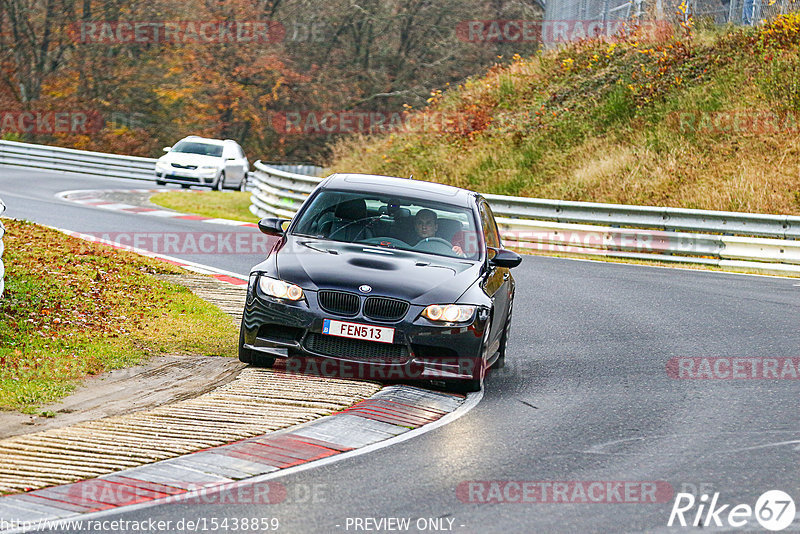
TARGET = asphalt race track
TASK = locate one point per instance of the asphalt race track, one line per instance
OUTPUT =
(588, 395)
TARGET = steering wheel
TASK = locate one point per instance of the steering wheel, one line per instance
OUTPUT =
(390, 242)
(436, 245)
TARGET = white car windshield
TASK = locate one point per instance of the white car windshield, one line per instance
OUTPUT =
(194, 147)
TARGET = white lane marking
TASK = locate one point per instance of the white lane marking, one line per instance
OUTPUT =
(64, 194)
(190, 265)
(766, 446)
(472, 400)
(89, 197)
(163, 213)
(116, 207)
(603, 448)
(230, 222)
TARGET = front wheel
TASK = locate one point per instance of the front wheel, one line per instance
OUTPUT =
(219, 184)
(500, 362)
(476, 382)
(243, 184)
(245, 354)
(252, 357)
(469, 386)
(260, 360)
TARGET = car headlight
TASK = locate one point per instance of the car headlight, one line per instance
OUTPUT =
(449, 313)
(280, 289)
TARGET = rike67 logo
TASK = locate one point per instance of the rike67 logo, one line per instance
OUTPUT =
(774, 510)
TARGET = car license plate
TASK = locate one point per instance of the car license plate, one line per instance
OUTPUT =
(358, 331)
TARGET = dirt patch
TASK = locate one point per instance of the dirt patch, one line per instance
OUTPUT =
(165, 379)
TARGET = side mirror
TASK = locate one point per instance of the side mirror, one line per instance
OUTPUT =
(504, 258)
(273, 225)
(167, 148)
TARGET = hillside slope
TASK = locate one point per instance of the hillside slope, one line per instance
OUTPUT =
(695, 119)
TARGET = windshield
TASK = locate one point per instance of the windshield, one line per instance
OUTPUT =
(193, 147)
(391, 222)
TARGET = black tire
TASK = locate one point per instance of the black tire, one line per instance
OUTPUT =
(243, 184)
(219, 183)
(474, 384)
(467, 386)
(500, 362)
(245, 354)
(252, 357)
(185, 186)
(261, 360)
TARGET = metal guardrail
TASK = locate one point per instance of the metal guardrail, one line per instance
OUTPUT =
(305, 169)
(753, 241)
(278, 193)
(769, 243)
(70, 160)
(667, 219)
(2, 248)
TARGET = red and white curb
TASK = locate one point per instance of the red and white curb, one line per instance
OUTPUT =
(95, 198)
(241, 472)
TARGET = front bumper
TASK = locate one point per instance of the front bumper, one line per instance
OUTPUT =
(185, 177)
(422, 350)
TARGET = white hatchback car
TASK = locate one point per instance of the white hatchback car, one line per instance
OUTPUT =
(206, 162)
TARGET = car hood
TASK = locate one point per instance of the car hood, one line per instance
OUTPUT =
(189, 159)
(419, 278)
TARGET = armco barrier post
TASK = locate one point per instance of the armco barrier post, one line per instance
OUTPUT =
(2, 267)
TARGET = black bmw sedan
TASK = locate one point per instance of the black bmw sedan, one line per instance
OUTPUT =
(386, 279)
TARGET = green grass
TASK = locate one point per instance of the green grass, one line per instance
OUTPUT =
(220, 205)
(600, 121)
(73, 309)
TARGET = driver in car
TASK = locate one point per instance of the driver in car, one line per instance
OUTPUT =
(426, 225)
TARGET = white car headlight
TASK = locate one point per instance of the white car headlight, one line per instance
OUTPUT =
(449, 313)
(280, 289)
